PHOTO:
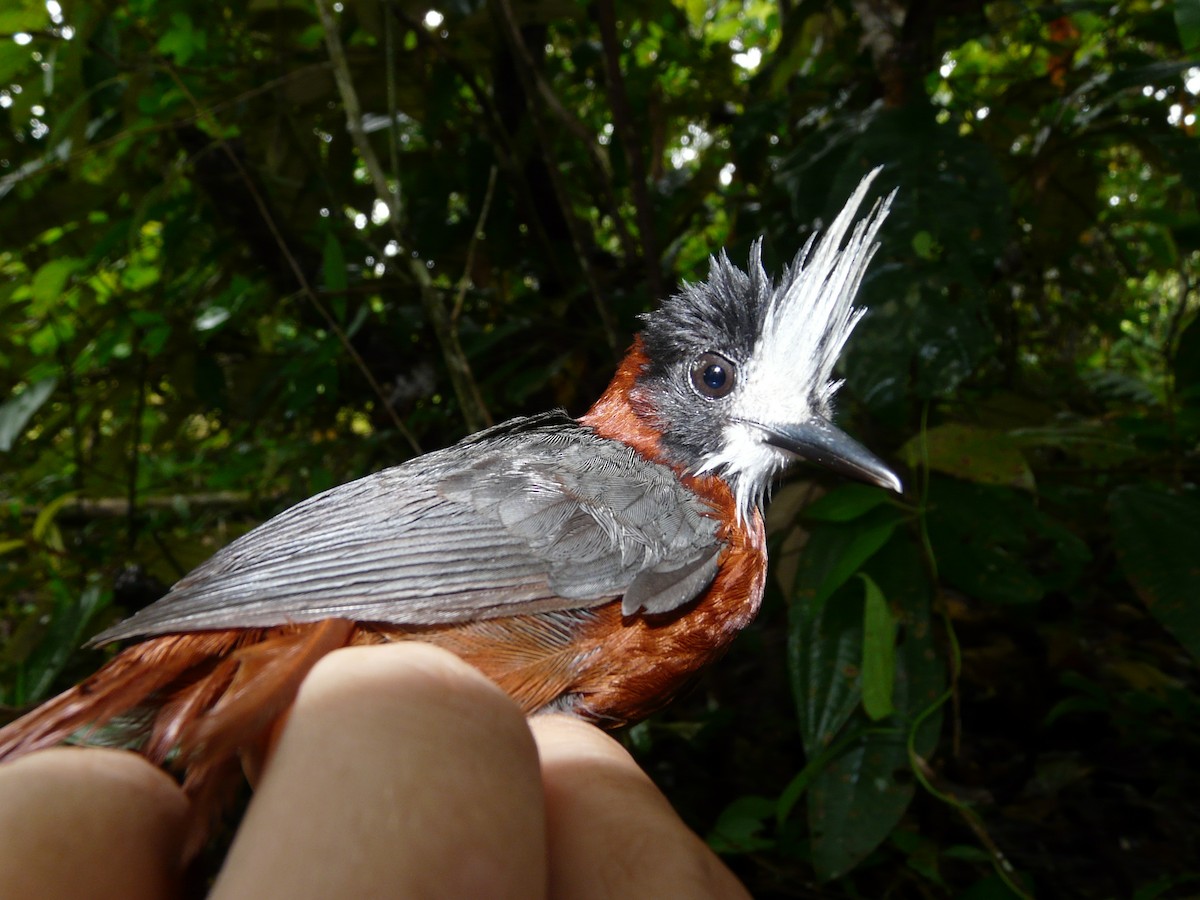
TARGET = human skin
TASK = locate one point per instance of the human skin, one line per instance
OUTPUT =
(401, 771)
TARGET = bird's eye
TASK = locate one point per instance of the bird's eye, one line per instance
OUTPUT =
(713, 375)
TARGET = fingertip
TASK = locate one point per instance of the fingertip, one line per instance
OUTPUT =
(598, 796)
(90, 822)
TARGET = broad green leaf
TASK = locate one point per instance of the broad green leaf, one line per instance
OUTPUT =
(845, 503)
(981, 455)
(986, 556)
(1157, 537)
(863, 545)
(67, 626)
(16, 412)
(31, 18)
(1187, 20)
(856, 800)
(51, 279)
(878, 653)
(14, 59)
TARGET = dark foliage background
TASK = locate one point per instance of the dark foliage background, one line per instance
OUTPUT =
(208, 312)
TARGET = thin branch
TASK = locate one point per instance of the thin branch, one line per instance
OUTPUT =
(476, 236)
(389, 31)
(475, 412)
(84, 509)
(534, 83)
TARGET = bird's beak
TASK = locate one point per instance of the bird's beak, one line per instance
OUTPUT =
(820, 442)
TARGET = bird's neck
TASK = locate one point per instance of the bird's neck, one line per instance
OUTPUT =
(620, 416)
(624, 414)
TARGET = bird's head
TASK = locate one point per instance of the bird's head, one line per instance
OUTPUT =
(739, 373)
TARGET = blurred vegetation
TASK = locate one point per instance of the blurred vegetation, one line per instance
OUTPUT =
(246, 254)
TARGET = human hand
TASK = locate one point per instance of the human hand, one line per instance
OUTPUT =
(400, 771)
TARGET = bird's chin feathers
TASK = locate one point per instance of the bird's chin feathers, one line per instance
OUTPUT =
(748, 464)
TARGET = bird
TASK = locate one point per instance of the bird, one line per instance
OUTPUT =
(586, 565)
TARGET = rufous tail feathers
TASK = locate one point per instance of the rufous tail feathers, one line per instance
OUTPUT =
(201, 696)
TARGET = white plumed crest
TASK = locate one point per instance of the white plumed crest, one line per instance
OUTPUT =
(788, 376)
(811, 312)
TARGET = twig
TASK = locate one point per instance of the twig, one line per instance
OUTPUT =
(476, 236)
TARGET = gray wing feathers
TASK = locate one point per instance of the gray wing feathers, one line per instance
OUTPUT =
(523, 519)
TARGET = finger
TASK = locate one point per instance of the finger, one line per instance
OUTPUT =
(610, 831)
(89, 823)
(403, 772)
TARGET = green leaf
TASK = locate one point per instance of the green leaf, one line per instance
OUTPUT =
(981, 455)
(181, 41)
(16, 412)
(1187, 20)
(985, 556)
(1157, 536)
(878, 653)
(14, 59)
(825, 624)
(31, 18)
(67, 624)
(926, 246)
(862, 546)
(846, 503)
(140, 277)
(856, 800)
(51, 279)
(44, 522)
(739, 827)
